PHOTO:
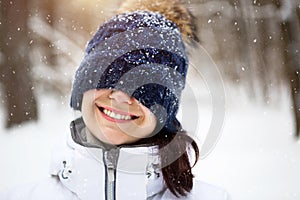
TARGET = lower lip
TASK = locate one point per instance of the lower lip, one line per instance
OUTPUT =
(112, 119)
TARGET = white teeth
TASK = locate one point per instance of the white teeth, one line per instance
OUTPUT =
(112, 115)
(115, 115)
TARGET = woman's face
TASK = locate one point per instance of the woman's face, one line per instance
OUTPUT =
(116, 118)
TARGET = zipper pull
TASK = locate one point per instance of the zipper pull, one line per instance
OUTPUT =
(111, 173)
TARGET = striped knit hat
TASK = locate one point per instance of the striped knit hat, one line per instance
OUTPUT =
(142, 54)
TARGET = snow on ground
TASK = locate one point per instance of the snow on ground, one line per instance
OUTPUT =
(26, 150)
(255, 158)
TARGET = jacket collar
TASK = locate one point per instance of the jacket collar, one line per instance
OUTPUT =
(80, 167)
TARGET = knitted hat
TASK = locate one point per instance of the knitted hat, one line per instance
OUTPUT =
(142, 54)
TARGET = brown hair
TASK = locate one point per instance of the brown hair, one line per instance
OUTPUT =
(175, 161)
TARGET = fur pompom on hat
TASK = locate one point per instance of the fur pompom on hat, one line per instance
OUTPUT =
(141, 53)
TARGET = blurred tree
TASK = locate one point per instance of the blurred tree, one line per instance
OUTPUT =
(256, 45)
(15, 64)
(46, 10)
(291, 34)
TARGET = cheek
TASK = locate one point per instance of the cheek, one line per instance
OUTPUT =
(89, 116)
(149, 120)
(149, 124)
(89, 119)
(87, 110)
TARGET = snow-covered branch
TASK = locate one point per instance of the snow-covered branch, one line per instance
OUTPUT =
(60, 40)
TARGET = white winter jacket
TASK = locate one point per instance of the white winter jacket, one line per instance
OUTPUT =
(87, 173)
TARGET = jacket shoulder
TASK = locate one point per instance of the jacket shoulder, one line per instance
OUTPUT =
(203, 191)
(47, 189)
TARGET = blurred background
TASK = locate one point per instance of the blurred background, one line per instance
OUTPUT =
(255, 45)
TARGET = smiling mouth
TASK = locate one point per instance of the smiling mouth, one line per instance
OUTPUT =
(115, 115)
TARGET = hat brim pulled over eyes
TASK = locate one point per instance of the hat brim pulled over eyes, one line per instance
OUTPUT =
(154, 77)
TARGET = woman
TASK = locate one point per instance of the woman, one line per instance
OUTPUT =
(128, 143)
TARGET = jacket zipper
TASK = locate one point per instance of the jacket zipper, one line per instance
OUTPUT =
(110, 159)
(110, 183)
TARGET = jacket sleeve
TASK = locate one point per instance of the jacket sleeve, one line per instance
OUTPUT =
(47, 189)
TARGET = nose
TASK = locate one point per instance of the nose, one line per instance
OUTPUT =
(120, 97)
